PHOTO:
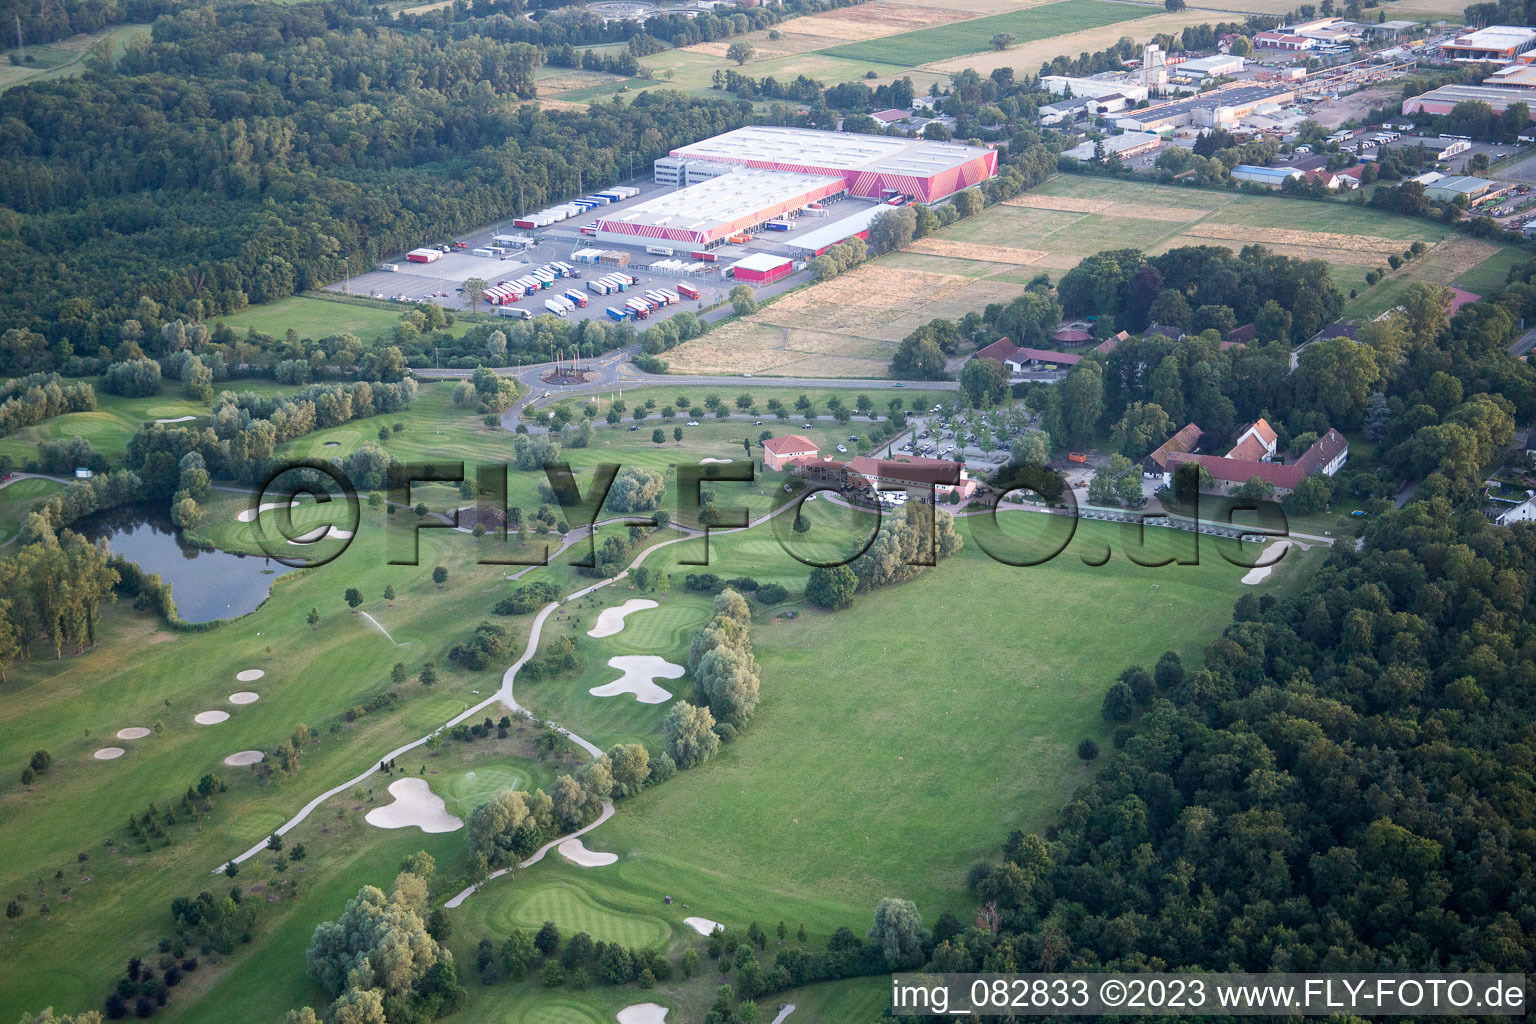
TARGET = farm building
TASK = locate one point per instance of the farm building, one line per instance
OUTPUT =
(864, 473)
(1229, 472)
(1185, 442)
(1016, 361)
(762, 268)
(1502, 43)
(868, 165)
(780, 451)
(1256, 444)
(1445, 98)
(1124, 146)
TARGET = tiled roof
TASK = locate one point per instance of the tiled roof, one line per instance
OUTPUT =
(1183, 442)
(791, 443)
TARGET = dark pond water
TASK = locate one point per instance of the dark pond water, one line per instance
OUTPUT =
(207, 584)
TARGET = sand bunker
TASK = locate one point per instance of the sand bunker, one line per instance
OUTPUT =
(178, 419)
(137, 732)
(415, 806)
(643, 1013)
(703, 461)
(244, 758)
(320, 533)
(246, 515)
(109, 753)
(611, 620)
(211, 717)
(639, 672)
(1260, 574)
(244, 697)
(575, 851)
(332, 444)
(703, 925)
(250, 675)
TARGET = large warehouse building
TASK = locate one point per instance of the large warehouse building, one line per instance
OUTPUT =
(774, 172)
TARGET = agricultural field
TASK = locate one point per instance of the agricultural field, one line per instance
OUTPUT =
(942, 42)
(850, 326)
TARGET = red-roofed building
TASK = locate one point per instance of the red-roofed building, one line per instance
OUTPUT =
(1256, 444)
(779, 452)
(1326, 456)
(864, 472)
(1071, 336)
(1108, 345)
(890, 116)
(1185, 442)
(1017, 360)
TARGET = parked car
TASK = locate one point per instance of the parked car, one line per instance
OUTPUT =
(634, 428)
(842, 448)
(693, 423)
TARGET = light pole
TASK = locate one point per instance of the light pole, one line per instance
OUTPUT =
(346, 288)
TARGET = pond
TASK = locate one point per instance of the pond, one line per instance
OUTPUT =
(206, 582)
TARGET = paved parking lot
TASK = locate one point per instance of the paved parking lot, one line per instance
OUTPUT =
(442, 281)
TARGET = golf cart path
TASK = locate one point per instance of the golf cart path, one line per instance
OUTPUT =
(538, 855)
(504, 695)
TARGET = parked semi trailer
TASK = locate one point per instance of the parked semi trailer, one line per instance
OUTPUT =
(689, 291)
(557, 308)
(617, 314)
(577, 297)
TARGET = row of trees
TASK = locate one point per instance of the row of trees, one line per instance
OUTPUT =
(40, 396)
(1277, 809)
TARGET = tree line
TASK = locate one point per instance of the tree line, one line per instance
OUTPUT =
(1281, 807)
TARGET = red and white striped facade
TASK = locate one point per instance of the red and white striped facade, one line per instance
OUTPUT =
(865, 166)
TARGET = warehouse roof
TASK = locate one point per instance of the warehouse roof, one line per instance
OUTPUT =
(760, 261)
(848, 151)
(726, 198)
(839, 230)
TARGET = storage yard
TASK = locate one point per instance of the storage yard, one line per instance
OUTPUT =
(750, 206)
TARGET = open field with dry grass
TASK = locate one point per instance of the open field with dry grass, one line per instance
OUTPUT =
(851, 325)
(1140, 23)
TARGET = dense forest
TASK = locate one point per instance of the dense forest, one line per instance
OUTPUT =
(248, 151)
(1346, 784)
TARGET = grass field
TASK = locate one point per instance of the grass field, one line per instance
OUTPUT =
(65, 58)
(17, 500)
(316, 318)
(808, 817)
(109, 426)
(850, 326)
(941, 42)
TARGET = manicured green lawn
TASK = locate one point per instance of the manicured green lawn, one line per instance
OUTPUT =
(1491, 274)
(314, 317)
(17, 500)
(962, 37)
(109, 426)
(897, 742)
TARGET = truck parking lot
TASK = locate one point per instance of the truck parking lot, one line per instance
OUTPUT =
(441, 281)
